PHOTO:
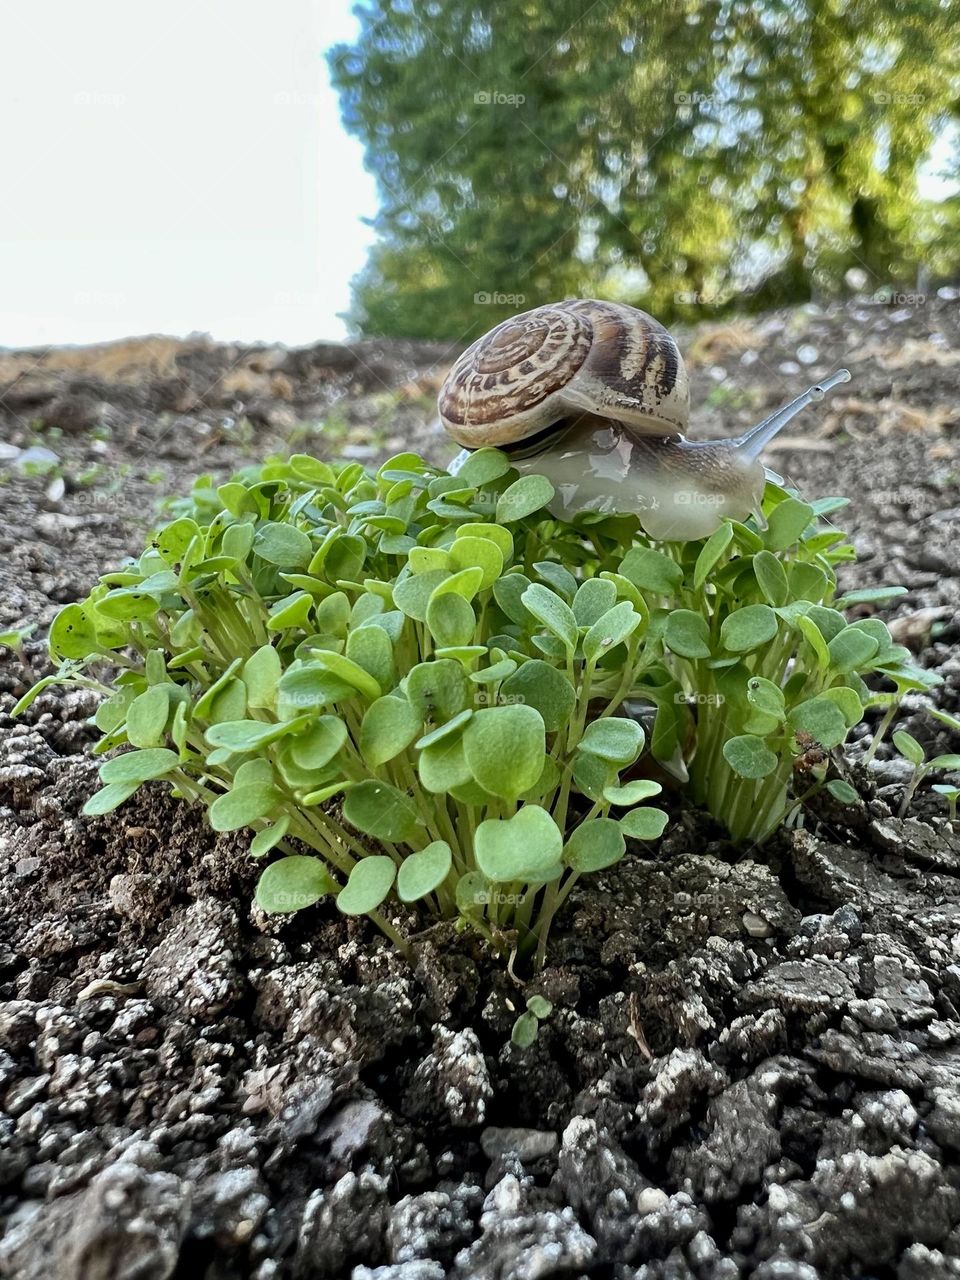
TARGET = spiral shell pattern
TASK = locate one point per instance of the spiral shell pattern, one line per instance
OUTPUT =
(558, 361)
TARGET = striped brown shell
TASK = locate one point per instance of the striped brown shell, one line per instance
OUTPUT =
(558, 361)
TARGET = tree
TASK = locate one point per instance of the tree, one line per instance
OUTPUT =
(706, 155)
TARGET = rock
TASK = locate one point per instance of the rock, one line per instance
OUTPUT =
(193, 971)
(526, 1144)
(435, 1224)
(518, 1245)
(342, 1225)
(453, 1080)
(127, 1223)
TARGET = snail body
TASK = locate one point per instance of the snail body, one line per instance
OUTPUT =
(595, 396)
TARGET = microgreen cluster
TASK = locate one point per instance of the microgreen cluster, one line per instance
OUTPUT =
(421, 685)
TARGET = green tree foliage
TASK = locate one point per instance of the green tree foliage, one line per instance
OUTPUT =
(698, 155)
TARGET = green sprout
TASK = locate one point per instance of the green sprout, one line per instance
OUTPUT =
(419, 687)
(527, 1026)
(912, 751)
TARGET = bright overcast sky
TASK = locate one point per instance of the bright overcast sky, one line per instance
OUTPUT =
(176, 167)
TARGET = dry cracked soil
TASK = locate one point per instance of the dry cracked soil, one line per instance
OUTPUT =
(752, 1068)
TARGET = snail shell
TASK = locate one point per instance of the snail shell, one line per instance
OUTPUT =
(560, 360)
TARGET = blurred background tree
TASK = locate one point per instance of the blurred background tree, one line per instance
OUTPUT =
(693, 159)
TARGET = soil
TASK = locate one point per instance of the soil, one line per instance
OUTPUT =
(752, 1067)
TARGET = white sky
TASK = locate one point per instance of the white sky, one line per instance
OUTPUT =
(176, 167)
(181, 166)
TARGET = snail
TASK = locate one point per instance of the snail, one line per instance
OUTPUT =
(594, 395)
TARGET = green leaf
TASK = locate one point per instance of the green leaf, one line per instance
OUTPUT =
(495, 533)
(539, 1007)
(842, 791)
(908, 747)
(388, 727)
(948, 762)
(651, 571)
(291, 611)
(269, 837)
(371, 650)
(504, 748)
(317, 746)
(766, 697)
(523, 497)
(73, 633)
(593, 599)
(553, 612)
(771, 576)
(437, 690)
(481, 553)
(616, 625)
(109, 798)
(292, 883)
(250, 735)
(412, 594)
(786, 523)
(594, 845)
(614, 738)
(821, 718)
(525, 1030)
(869, 595)
(139, 766)
(451, 619)
(539, 685)
(472, 894)
(687, 633)
(848, 700)
(173, 540)
(261, 675)
(147, 716)
(644, 824)
(421, 873)
(558, 578)
(748, 628)
(749, 757)
(451, 729)
(350, 672)
(508, 593)
(429, 560)
(524, 848)
(283, 545)
(369, 883)
(483, 467)
(813, 636)
(632, 792)
(851, 649)
(465, 583)
(710, 554)
(242, 806)
(380, 810)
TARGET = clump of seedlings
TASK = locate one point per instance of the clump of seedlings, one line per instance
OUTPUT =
(419, 685)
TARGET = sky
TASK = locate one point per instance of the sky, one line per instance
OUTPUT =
(161, 171)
